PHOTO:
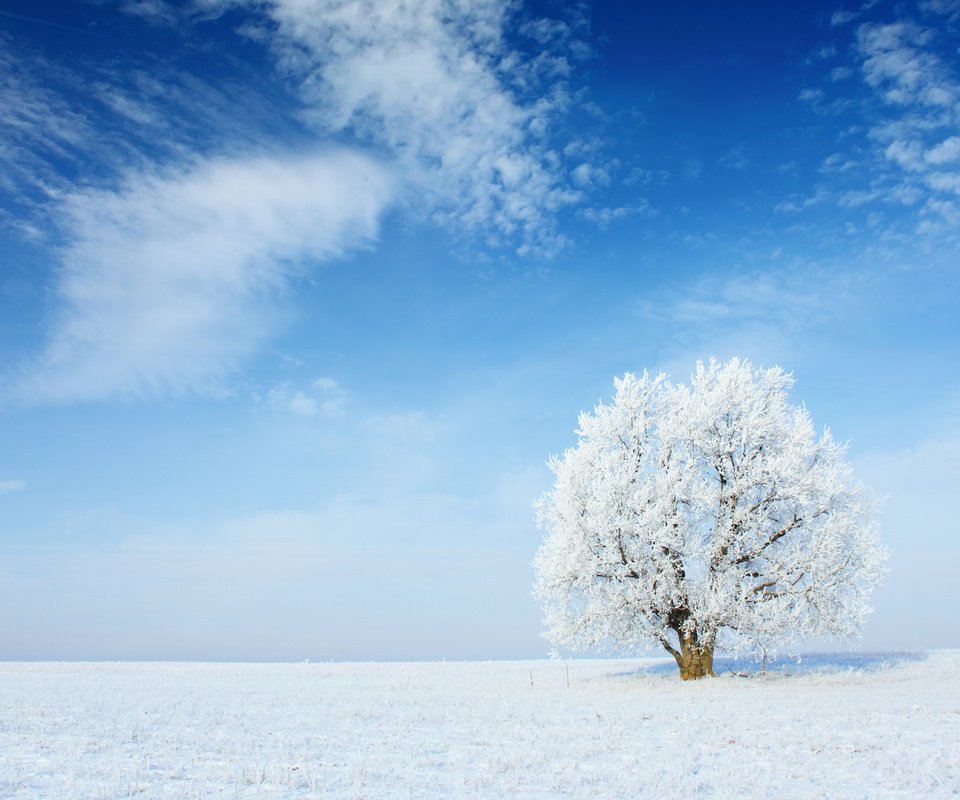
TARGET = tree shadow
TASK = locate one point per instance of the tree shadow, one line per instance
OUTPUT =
(802, 664)
(819, 663)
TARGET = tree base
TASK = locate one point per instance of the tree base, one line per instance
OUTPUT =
(694, 663)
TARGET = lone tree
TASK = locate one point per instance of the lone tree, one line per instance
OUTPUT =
(704, 517)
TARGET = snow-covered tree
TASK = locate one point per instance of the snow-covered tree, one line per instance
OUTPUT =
(704, 517)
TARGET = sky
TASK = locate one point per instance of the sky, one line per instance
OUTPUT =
(297, 297)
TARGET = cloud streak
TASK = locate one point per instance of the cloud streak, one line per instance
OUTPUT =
(166, 285)
(91, 123)
(434, 84)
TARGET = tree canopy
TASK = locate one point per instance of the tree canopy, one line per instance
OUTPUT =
(703, 517)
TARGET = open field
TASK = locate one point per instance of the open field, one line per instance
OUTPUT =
(839, 727)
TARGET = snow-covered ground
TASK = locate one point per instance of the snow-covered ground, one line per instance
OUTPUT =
(833, 727)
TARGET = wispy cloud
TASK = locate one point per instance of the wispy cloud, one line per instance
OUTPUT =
(840, 18)
(166, 284)
(91, 123)
(771, 316)
(38, 125)
(795, 206)
(946, 8)
(604, 217)
(907, 151)
(12, 486)
(324, 396)
(786, 298)
(156, 11)
(435, 84)
(168, 265)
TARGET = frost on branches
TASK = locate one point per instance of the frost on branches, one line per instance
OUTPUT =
(704, 517)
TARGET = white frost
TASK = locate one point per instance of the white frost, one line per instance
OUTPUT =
(704, 516)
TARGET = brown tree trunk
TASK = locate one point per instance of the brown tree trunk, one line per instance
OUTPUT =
(695, 656)
(694, 660)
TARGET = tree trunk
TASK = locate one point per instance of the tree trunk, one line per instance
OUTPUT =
(694, 658)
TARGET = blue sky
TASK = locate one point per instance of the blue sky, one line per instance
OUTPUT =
(298, 296)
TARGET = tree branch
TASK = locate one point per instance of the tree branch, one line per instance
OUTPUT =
(760, 503)
(794, 523)
(662, 638)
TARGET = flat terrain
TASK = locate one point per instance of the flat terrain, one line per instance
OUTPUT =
(882, 726)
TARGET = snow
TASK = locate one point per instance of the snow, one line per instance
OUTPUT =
(882, 726)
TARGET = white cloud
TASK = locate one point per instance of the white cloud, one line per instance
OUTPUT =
(906, 151)
(166, 284)
(784, 298)
(893, 58)
(946, 152)
(904, 193)
(37, 125)
(154, 10)
(841, 18)
(950, 8)
(61, 128)
(902, 62)
(819, 104)
(303, 405)
(822, 194)
(769, 316)
(944, 181)
(940, 216)
(908, 155)
(840, 73)
(435, 84)
(837, 163)
(12, 486)
(332, 396)
(324, 396)
(604, 217)
(589, 175)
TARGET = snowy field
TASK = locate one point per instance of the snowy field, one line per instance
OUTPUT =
(832, 727)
